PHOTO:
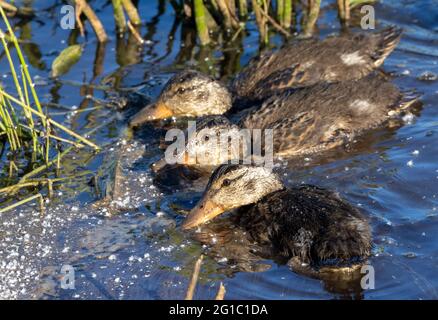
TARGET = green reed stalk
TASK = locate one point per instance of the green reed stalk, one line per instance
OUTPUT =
(119, 16)
(23, 63)
(19, 203)
(53, 122)
(280, 12)
(287, 19)
(243, 9)
(312, 17)
(201, 23)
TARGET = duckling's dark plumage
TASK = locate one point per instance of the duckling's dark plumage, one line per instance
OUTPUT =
(310, 223)
(322, 116)
(305, 222)
(307, 62)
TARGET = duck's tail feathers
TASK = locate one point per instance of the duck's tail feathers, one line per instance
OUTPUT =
(387, 40)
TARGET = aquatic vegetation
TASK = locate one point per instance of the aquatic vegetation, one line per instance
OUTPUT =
(194, 280)
(213, 16)
(66, 59)
(281, 16)
(25, 128)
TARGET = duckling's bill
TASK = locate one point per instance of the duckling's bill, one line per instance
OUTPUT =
(183, 159)
(204, 211)
(154, 111)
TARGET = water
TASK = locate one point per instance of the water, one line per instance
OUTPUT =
(134, 248)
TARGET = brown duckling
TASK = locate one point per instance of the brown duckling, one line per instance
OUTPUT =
(299, 64)
(305, 222)
(347, 57)
(304, 122)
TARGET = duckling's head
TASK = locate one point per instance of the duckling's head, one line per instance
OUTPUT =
(230, 187)
(188, 93)
(216, 141)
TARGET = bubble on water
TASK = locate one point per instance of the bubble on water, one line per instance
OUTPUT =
(415, 152)
(112, 257)
(410, 255)
(408, 118)
(410, 163)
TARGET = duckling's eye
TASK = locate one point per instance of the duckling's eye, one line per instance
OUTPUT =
(206, 138)
(180, 90)
(226, 183)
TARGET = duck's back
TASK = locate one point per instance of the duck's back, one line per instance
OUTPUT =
(309, 222)
(325, 115)
(308, 62)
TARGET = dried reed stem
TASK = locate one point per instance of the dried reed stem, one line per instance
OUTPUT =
(221, 292)
(194, 280)
(97, 26)
(274, 23)
(132, 12)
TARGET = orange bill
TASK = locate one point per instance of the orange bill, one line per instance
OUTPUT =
(186, 160)
(155, 111)
(160, 164)
(204, 211)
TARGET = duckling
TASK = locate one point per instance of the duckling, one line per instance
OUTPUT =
(299, 64)
(306, 222)
(347, 57)
(304, 122)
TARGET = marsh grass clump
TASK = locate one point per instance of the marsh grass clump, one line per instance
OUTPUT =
(229, 17)
(31, 140)
(281, 16)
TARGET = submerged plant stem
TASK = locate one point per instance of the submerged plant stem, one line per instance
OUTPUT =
(19, 203)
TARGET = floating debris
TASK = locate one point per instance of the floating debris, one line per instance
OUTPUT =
(428, 76)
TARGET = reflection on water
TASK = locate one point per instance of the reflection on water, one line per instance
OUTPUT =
(136, 250)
